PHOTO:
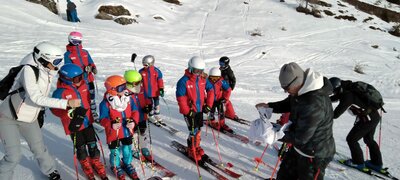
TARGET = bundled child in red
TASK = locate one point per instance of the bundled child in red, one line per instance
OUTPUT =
(153, 86)
(222, 92)
(78, 122)
(134, 85)
(119, 116)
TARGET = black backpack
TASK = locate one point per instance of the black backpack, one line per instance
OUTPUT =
(7, 82)
(368, 94)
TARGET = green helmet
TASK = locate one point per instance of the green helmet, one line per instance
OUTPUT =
(132, 76)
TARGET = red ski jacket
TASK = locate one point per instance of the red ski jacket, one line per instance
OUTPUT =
(152, 81)
(79, 56)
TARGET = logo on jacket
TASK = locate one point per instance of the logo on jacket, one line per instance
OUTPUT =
(68, 96)
(190, 86)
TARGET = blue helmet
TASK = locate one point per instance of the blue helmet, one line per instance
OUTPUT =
(70, 73)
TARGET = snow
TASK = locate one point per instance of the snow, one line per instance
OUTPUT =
(212, 29)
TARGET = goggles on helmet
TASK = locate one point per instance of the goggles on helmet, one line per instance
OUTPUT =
(76, 79)
(196, 71)
(120, 88)
(76, 41)
(132, 84)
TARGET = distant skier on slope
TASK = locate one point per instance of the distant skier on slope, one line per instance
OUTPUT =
(367, 119)
(312, 115)
(77, 55)
(72, 13)
(191, 94)
(153, 84)
(222, 92)
(119, 116)
(77, 122)
(134, 85)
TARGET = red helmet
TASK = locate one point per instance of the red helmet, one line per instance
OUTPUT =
(115, 84)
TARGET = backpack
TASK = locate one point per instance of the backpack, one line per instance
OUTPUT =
(368, 94)
(7, 82)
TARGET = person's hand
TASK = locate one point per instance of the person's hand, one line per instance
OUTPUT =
(191, 114)
(77, 117)
(259, 105)
(73, 103)
(94, 70)
(206, 109)
(222, 101)
(116, 124)
(131, 124)
(162, 92)
(147, 109)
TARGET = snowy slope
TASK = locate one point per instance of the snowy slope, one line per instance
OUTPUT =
(212, 29)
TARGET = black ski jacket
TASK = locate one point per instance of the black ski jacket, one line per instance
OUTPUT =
(228, 76)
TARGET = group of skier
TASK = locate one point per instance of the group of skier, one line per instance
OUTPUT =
(132, 100)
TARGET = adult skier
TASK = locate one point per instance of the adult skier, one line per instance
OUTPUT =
(134, 85)
(153, 84)
(22, 122)
(77, 55)
(367, 120)
(222, 92)
(77, 122)
(193, 102)
(119, 116)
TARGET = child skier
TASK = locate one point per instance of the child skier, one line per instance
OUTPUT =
(77, 55)
(118, 116)
(191, 96)
(78, 122)
(222, 92)
(134, 85)
(153, 86)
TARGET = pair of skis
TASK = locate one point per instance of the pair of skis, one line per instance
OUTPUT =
(207, 163)
(233, 134)
(164, 172)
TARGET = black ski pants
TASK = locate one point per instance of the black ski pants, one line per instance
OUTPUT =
(296, 166)
(364, 128)
(83, 138)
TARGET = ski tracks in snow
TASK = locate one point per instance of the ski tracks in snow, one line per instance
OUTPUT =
(203, 26)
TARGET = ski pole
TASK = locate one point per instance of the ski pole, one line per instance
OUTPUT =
(138, 149)
(262, 155)
(215, 140)
(116, 149)
(151, 149)
(380, 129)
(169, 111)
(101, 148)
(284, 148)
(194, 151)
(75, 158)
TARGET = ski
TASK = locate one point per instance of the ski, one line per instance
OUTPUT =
(242, 121)
(183, 149)
(221, 168)
(165, 127)
(165, 172)
(340, 158)
(242, 138)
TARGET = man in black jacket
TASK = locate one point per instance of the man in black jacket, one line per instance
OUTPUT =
(364, 127)
(226, 71)
(311, 113)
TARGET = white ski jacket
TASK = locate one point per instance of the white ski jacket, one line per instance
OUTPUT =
(28, 104)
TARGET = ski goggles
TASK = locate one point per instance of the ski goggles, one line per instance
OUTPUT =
(132, 84)
(197, 71)
(76, 41)
(75, 80)
(57, 61)
(120, 88)
(222, 64)
(214, 78)
(288, 86)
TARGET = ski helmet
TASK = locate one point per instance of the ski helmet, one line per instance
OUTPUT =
(71, 74)
(196, 65)
(336, 84)
(224, 61)
(148, 60)
(115, 84)
(133, 80)
(75, 38)
(215, 72)
(45, 53)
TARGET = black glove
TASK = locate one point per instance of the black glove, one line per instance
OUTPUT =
(41, 118)
(162, 92)
(94, 70)
(356, 111)
(77, 119)
(190, 119)
(147, 109)
(206, 109)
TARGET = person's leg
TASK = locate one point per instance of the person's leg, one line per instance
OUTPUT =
(287, 169)
(156, 103)
(10, 138)
(359, 130)
(33, 136)
(374, 151)
(93, 107)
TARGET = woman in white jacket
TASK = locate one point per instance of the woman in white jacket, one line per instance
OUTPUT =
(27, 105)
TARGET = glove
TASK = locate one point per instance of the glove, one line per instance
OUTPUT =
(190, 119)
(356, 111)
(116, 124)
(41, 118)
(94, 70)
(130, 123)
(191, 114)
(206, 109)
(88, 69)
(147, 109)
(78, 115)
(162, 92)
(222, 101)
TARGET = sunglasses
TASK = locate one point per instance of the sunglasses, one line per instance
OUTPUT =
(214, 78)
(288, 86)
(132, 84)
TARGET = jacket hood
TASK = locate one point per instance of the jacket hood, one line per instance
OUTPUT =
(314, 81)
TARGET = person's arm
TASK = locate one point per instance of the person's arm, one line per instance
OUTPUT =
(104, 114)
(232, 79)
(210, 94)
(160, 80)
(135, 111)
(181, 96)
(32, 91)
(227, 90)
(346, 100)
(281, 106)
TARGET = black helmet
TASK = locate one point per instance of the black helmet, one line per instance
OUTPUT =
(336, 84)
(224, 61)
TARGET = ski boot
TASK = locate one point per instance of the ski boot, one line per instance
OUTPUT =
(225, 127)
(146, 155)
(130, 170)
(54, 175)
(119, 172)
(99, 168)
(87, 168)
(374, 167)
(360, 167)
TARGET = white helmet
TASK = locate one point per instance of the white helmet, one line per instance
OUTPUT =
(148, 60)
(196, 63)
(215, 72)
(46, 52)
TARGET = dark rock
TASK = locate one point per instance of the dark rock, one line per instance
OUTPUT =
(49, 4)
(104, 16)
(125, 21)
(114, 10)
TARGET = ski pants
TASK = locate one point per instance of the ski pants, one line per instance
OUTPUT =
(10, 133)
(74, 16)
(143, 134)
(229, 111)
(364, 128)
(296, 166)
(156, 106)
(83, 138)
